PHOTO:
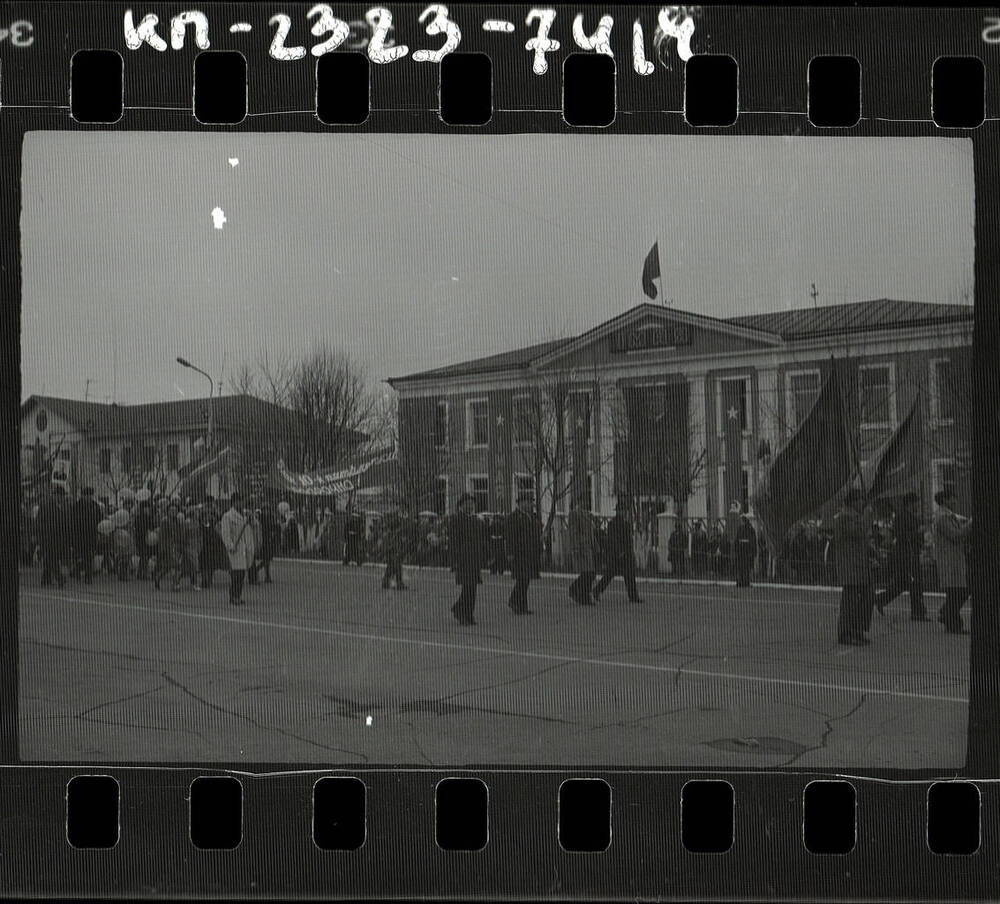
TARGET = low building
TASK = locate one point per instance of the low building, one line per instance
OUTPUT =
(682, 411)
(113, 447)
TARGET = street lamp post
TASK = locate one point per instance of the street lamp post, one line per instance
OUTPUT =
(211, 389)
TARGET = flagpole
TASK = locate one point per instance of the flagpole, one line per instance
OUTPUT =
(663, 296)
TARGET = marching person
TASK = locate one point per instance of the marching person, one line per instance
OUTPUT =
(851, 530)
(733, 519)
(620, 555)
(951, 531)
(466, 558)
(237, 536)
(53, 535)
(169, 548)
(271, 539)
(904, 559)
(191, 538)
(86, 516)
(258, 545)
(746, 551)
(523, 546)
(400, 539)
(144, 523)
(354, 537)
(583, 551)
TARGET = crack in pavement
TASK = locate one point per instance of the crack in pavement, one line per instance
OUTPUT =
(829, 729)
(175, 683)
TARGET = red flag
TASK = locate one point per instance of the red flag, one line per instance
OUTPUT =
(897, 467)
(810, 469)
(733, 419)
(651, 270)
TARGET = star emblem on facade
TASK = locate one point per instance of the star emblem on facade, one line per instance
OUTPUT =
(499, 420)
(733, 413)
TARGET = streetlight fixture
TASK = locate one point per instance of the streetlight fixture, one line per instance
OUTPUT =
(211, 388)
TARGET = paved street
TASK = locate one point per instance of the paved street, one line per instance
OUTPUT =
(324, 668)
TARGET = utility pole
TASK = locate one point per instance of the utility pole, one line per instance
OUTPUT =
(86, 389)
(814, 294)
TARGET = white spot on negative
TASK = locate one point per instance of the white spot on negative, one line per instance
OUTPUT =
(234, 161)
(498, 25)
(218, 217)
(237, 27)
(368, 721)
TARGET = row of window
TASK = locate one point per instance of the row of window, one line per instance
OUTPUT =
(876, 404)
(145, 457)
(528, 419)
(478, 486)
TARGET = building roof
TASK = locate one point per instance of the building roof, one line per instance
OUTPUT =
(800, 323)
(882, 313)
(239, 412)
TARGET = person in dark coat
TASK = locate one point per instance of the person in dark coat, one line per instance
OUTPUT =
(400, 542)
(144, 523)
(86, 515)
(746, 551)
(904, 559)
(354, 538)
(620, 555)
(523, 547)
(699, 549)
(213, 556)
(677, 547)
(951, 532)
(53, 535)
(733, 520)
(466, 558)
(270, 537)
(851, 530)
(582, 535)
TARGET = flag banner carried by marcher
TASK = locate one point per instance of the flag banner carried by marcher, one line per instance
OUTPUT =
(896, 468)
(810, 469)
(199, 470)
(651, 270)
(379, 470)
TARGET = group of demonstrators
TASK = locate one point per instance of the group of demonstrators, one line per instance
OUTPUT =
(856, 560)
(152, 538)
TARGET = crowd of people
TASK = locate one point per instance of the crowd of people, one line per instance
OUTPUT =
(160, 538)
(151, 538)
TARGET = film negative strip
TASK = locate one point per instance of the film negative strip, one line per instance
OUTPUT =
(354, 353)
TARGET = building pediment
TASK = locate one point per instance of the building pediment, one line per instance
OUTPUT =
(651, 331)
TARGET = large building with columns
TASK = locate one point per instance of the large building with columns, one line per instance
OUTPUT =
(682, 411)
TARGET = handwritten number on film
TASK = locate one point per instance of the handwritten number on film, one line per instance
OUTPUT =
(674, 23)
(18, 34)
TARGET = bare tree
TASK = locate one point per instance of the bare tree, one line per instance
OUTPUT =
(543, 441)
(330, 398)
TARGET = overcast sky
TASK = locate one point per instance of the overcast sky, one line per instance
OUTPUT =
(412, 252)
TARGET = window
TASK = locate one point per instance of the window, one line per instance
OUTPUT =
(942, 390)
(479, 486)
(876, 395)
(523, 420)
(127, 462)
(944, 475)
(173, 457)
(104, 461)
(148, 458)
(524, 483)
(734, 403)
(579, 408)
(441, 495)
(803, 388)
(566, 503)
(477, 419)
(441, 425)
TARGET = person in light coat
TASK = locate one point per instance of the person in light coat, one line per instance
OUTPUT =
(237, 535)
(950, 534)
